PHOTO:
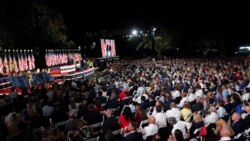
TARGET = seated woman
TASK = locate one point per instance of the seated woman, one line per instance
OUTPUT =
(125, 118)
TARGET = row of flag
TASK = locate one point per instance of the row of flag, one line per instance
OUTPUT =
(17, 60)
(60, 57)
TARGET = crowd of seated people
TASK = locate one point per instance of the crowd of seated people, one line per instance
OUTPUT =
(134, 100)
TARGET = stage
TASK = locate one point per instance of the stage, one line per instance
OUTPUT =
(56, 75)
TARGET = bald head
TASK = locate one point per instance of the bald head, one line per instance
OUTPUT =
(225, 132)
(109, 112)
(172, 120)
(151, 120)
(236, 116)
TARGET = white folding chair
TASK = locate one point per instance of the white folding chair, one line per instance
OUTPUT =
(96, 125)
(94, 139)
(116, 132)
(142, 123)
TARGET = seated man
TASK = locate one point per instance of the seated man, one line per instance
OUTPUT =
(151, 129)
(132, 134)
(238, 124)
(111, 123)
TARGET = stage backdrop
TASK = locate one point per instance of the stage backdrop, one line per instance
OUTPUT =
(108, 48)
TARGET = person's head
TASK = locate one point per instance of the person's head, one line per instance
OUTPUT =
(71, 115)
(158, 109)
(132, 126)
(247, 107)
(172, 120)
(197, 117)
(172, 105)
(158, 103)
(247, 90)
(220, 103)
(236, 116)
(109, 113)
(157, 137)
(190, 90)
(236, 98)
(127, 113)
(143, 98)
(151, 120)
(100, 93)
(187, 105)
(212, 109)
(225, 132)
(178, 135)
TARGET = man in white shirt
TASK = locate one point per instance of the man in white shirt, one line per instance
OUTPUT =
(199, 91)
(246, 94)
(160, 118)
(190, 96)
(183, 126)
(151, 129)
(212, 117)
(176, 93)
(173, 112)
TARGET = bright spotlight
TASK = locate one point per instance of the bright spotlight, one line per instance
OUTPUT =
(154, 29)
(134, 32)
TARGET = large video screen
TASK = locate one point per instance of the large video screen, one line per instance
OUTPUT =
(108, 48)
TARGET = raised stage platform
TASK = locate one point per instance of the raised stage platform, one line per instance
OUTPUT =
(56, 75)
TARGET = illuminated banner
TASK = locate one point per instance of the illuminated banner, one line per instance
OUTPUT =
(108, 48)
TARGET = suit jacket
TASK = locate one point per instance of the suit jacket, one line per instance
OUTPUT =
(110, 124)
(238, 126)
(135, 136)
(247, 121)
(93, 117)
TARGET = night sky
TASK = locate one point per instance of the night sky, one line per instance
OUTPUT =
(191, 19)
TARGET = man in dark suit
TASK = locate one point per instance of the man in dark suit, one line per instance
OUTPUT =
(111, 123)
(92, 116)
(132, 134)
(238, 124)
(247, 118)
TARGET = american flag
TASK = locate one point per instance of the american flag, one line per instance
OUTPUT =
(5, 63)
(15, 63)
(20, 62)
(24, 61)
(10, 64)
